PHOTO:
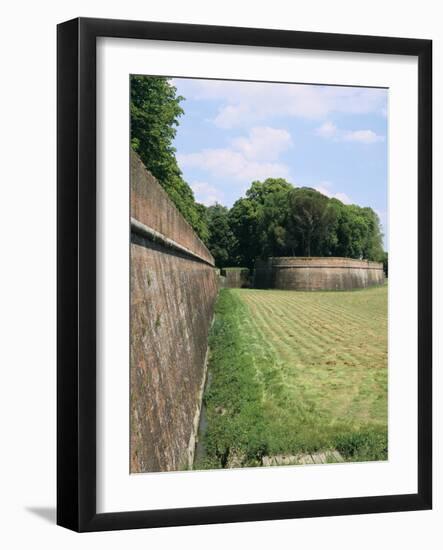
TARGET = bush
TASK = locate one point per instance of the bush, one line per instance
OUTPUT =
(364, 445)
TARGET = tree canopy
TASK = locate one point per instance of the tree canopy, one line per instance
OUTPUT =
(221, 240)
(274, 218)
(155, 112)
(278, 219)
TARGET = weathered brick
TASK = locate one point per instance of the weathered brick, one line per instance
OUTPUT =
(172, 301)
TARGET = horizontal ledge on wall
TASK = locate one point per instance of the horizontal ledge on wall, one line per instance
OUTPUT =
(155, 236)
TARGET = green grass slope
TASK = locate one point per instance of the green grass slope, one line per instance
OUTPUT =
(293, 372)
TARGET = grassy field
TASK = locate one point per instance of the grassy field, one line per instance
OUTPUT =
(296, 372)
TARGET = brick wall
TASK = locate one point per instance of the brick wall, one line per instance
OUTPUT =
(236, 277)
(317, 273)
(173, 290)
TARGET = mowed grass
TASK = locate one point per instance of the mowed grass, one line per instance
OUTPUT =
(294, 372)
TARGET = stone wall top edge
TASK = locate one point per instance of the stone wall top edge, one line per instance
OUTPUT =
(324, 261)
(152, 207)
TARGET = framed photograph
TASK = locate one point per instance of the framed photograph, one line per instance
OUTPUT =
(244, 274)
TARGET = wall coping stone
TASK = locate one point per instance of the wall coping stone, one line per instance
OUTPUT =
(155, 236)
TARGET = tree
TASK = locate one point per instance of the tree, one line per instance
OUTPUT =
(155, 112)
(257, 220)
(277, 219)
(351, 231)
(310, 220)
(243, 221)
(373, 247)
(221, 240)
(272, 229)
(260, 191)
(385, 263)
(358, 233)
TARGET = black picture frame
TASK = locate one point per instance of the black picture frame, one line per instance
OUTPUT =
(76, 273)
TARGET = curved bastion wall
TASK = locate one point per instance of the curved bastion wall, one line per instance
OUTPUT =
(297, 273)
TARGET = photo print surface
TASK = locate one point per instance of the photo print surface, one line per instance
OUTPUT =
(259, 274)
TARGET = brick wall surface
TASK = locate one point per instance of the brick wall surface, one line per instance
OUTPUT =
(236, 278)
(151, 206)
(317, 273)
(172, 302)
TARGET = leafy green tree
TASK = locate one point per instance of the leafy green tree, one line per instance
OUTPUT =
(201, 221)
(272, 229)
(358, 233)
(243, 221)
(310, 220)
(373, 247)
(385, 263)
(259, 191)
(155, 112)
(350, 231)
(277, 219)
(221, 240)
(257, 220)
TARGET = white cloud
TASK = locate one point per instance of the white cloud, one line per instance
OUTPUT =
(263, 143)
(325, 189)
(233, 164)
(247, 158)
(206, 193)
(252, 102)
(362, 136)
(329, 131)
(231, 115)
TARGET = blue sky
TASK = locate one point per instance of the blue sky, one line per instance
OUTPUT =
(331, 138)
